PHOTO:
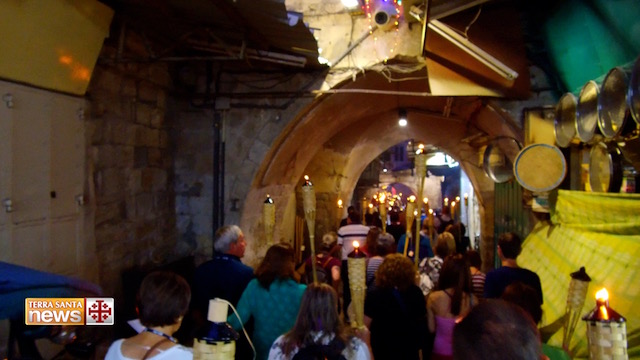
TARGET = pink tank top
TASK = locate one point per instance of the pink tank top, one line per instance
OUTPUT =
(443, 343)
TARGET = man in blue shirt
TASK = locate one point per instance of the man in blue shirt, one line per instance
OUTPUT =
(224, 277)
(509, 247)
(425, 244)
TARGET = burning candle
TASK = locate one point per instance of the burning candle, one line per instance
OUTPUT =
(466, 199)
(425, 200)
(446, 201)
(606, 330)
(357, 269)
(453, 210)
(356, 252)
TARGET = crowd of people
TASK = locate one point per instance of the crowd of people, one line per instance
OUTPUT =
(440, 309)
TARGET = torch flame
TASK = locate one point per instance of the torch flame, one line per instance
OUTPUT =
(425, 200)
(412, 198)
(340, 203)
(602, 294)
(356, 244)
(306, 177)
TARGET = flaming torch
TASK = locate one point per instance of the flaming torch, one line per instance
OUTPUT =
(269, 218)
(382, 209)
(606, 330)
(363, 205)
(421, 171)
(357, 268)
(409, 215)
(578, 288)
(309, 205)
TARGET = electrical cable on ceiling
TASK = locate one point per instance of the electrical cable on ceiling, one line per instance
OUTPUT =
(280, 80)
(466, 30)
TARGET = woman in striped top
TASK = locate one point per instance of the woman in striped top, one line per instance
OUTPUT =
(382, 245)
(477, 276)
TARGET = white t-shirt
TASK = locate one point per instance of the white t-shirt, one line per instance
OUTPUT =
(350, 233)
(355, 350)
(177, 352)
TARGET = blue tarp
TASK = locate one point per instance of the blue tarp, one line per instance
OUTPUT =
(19, 282)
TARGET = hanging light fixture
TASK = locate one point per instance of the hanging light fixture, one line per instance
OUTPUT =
(402, 117)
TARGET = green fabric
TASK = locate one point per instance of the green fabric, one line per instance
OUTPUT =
(600, 231)
(585, 39)
(555, 353)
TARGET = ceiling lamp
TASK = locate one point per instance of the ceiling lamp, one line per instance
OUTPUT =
(402, 117)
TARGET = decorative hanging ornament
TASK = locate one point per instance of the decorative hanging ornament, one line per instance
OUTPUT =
(384, 15)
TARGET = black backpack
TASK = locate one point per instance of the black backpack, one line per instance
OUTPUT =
(323, 275)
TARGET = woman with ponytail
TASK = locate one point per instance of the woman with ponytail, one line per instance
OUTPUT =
(449, 304)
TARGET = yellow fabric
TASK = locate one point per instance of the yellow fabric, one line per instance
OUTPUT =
(600, 231)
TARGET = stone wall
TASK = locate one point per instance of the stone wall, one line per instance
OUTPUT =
(250, 125)
(193, 186)
(130, 167)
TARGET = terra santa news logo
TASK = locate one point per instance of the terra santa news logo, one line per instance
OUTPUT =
(68, 311)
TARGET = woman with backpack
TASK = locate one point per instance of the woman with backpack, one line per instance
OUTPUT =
(327, 266)
(318, 332)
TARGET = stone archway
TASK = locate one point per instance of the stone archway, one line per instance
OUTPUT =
(338, 135)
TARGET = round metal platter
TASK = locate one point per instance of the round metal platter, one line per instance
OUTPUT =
(565, 121)
(612, 102)
(587, 111)
(605, 169)
(633, 94)
(540, 167)
(497, 161)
